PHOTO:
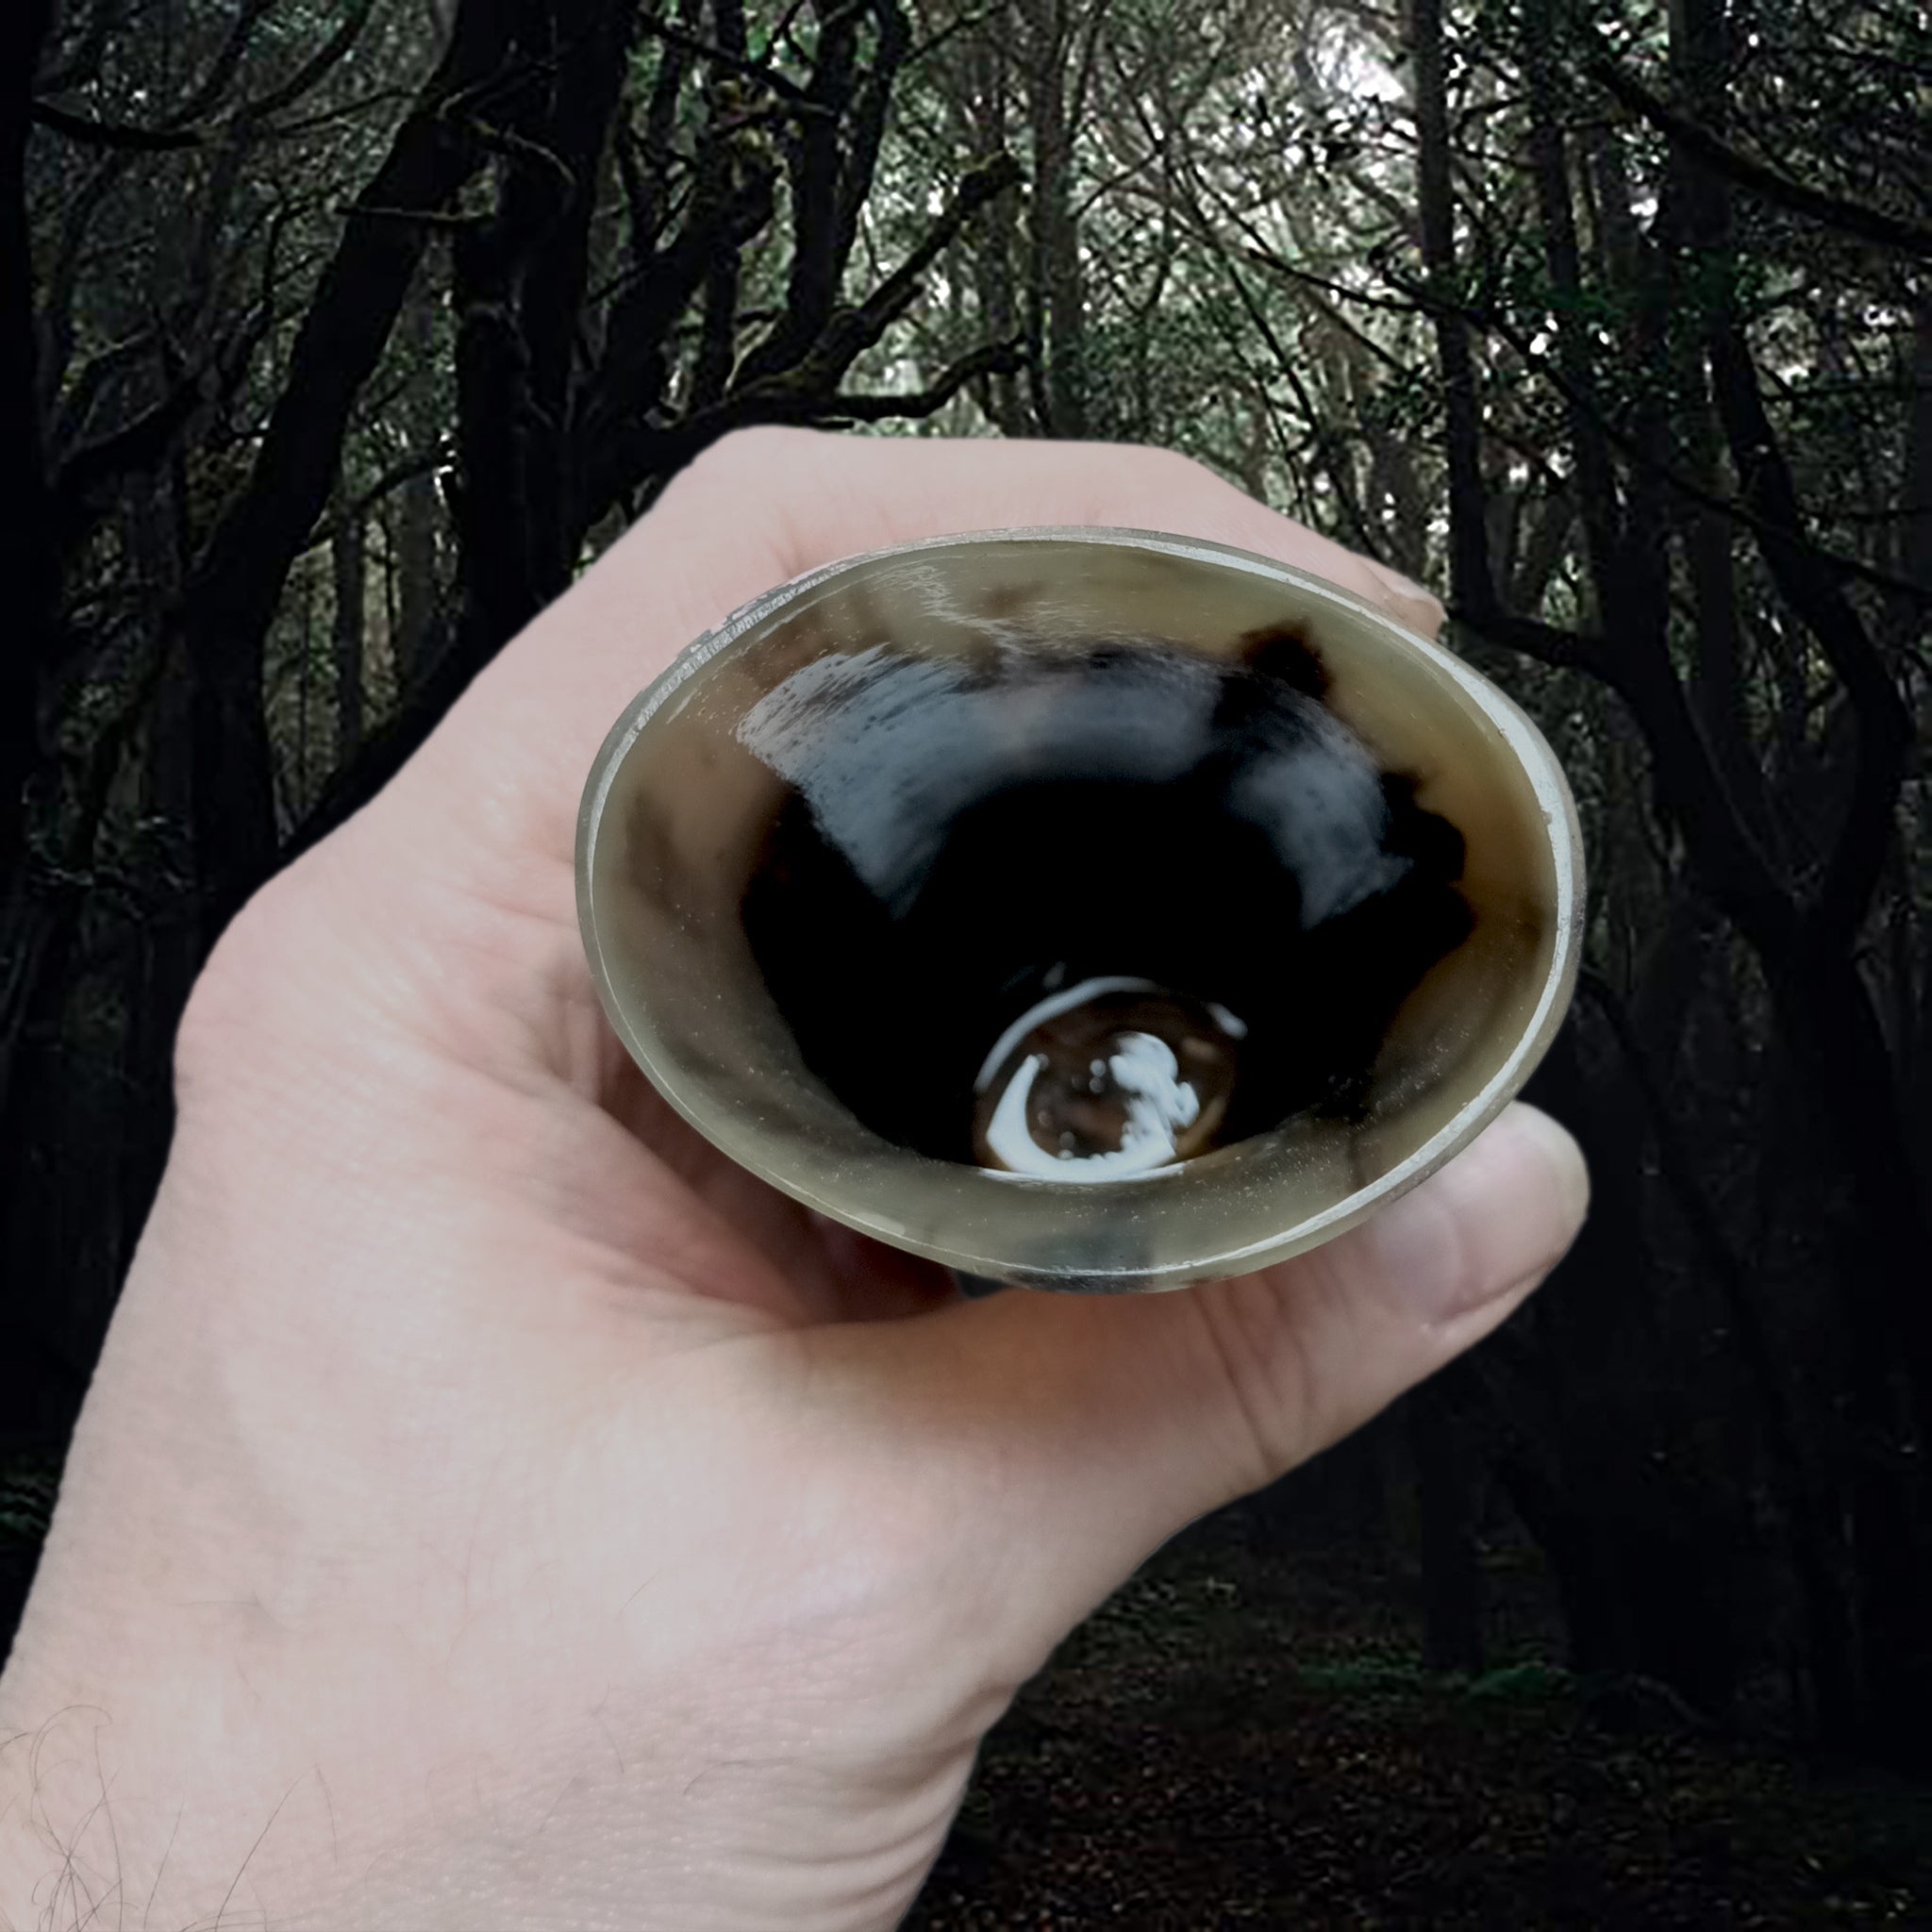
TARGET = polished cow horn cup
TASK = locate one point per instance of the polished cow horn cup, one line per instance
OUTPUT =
(1081, 908)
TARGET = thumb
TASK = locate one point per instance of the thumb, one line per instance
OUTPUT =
(1120, 1418)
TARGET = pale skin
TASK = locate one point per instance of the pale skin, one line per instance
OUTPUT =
(493, 1509)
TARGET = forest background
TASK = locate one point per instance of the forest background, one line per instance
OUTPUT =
(338, 336)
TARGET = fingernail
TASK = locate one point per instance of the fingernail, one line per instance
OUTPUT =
(1502, 1212)
(1406, 586)
(1408, 590)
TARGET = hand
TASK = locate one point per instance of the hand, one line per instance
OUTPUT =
(493, 1509)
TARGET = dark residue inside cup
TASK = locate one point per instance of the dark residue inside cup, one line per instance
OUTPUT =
(1087, 912)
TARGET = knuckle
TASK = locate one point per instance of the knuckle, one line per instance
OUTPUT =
(751, 448)
(1167, 464)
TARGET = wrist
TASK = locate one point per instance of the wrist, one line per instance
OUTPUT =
(138, 1799)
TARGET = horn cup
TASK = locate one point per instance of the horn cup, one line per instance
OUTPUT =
(1081, 908)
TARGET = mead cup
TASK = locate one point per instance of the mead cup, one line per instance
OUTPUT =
(1081, 908)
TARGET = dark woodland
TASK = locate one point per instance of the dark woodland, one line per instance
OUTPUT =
(338, 336)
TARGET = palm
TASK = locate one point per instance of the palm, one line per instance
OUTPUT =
(585, 1255)
(562, 1083)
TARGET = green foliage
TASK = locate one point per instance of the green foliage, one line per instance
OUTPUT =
(1530, 1683)
(1523, 1683)
(28, 1485)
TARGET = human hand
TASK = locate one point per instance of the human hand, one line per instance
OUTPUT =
(494, 1510)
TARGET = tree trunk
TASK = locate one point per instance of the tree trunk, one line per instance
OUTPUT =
(1468, 529)
(982, 118)
(349, 556)
(1451, 1565)
(28, 554)
(1058, 284)
(166, 959)
(417, 515)
(229, 609)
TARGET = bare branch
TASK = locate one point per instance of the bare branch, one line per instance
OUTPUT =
(1834, 211)
(137, 445)
(994, 358)
(115, 134)
(173, 136)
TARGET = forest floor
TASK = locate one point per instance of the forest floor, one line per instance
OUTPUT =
(1241, 1738)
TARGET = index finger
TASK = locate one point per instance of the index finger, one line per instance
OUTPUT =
(764, 506)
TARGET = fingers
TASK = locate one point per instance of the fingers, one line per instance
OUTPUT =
(765, 506)
(816, 1270)
(904, 489)
(1113, 1421)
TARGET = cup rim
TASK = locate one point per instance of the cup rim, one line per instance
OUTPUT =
(716, 1123)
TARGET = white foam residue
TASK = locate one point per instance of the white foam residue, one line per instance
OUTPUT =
(1159, 1106)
